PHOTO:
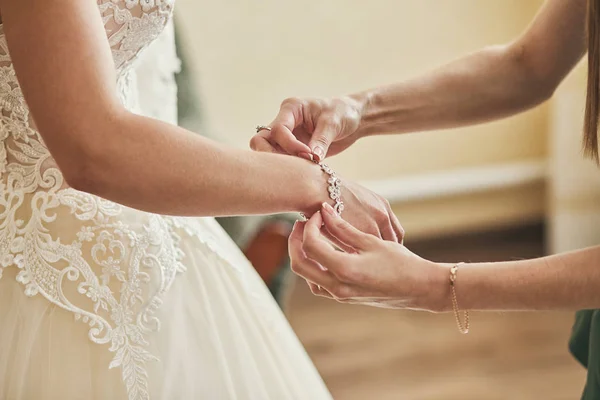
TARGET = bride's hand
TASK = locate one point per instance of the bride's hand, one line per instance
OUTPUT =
(313, 127)
(370, 213)
(370, 271)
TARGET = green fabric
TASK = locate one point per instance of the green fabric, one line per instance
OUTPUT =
(585, 347)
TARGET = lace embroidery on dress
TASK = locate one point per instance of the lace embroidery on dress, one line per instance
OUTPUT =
(109, 273)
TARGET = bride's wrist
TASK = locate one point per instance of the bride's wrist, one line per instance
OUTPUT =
(316, 190)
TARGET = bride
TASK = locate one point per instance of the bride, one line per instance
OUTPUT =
(112, 286)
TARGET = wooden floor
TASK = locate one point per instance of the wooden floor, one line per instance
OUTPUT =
(368, 353)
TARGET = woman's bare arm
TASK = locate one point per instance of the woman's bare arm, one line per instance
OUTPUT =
(492, 83)
(489, 84)
(567, 281)
(385, 274)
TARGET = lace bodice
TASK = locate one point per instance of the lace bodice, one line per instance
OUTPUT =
(131, 26)
(108, 265)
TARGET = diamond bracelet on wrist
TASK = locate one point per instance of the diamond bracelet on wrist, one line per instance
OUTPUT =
(334, 188)
(334, 183)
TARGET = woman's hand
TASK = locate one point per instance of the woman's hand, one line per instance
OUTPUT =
(370, 271)
(313, 127)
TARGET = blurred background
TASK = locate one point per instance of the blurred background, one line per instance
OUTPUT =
(512, 189)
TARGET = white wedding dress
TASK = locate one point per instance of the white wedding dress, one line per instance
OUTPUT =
(100, 301)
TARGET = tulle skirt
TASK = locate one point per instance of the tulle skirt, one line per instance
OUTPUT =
(221, 337)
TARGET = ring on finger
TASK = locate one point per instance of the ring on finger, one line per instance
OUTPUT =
(262, 128)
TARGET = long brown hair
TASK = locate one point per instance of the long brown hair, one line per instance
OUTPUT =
(592, 106)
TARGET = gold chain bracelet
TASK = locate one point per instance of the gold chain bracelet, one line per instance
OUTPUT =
(463, 328)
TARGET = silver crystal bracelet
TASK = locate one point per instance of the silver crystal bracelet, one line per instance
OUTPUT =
(334, 188)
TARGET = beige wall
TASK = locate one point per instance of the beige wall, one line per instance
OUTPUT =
(251, 55)
(574, 195)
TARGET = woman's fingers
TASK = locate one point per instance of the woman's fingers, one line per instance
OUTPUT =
(345, 267)
(396, 226)
(318, 290)
(306, 268)
(284, 137)
(316, 247)
(327, 129)
(337, 242)
(345, 232)
(290, 117)
(261, 143)
(280, 137)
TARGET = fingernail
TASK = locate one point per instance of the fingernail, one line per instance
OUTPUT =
(329, 210)
(319, 153)
(307, 156)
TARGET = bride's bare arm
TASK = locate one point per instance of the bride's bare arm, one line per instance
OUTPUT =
(65, 69)
(488, 84)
